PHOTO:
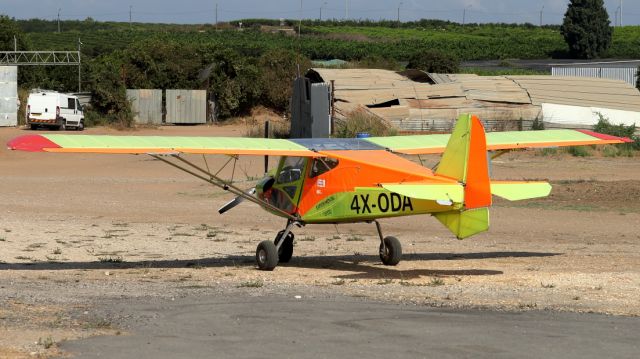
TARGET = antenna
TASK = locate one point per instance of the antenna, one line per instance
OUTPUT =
(130, 8)
(541, 12)
(59, 9)
(216, 16)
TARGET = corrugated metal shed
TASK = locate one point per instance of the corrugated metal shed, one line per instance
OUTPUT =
(186, 106)
(419, 106)
(626, 74)
(580, 91)
(8, 95)
(147, 105)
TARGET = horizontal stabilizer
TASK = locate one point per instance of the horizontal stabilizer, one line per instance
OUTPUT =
(429, 191)
(516, 191)
(465, 223)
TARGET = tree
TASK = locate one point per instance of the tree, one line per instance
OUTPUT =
(433, 61)
(587, 28)
(9, 29)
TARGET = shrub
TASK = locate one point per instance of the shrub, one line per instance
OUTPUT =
(433, 61)
(278, 68)
(579, 151)
(363, 121)
(604, 126)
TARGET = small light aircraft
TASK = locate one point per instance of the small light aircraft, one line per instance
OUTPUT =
(330, 181)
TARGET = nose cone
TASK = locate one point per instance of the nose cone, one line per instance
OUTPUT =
(31, 143)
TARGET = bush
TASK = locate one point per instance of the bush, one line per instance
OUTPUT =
(605, 127)
(278, 68)
(579, 151)
(434, 61)
(362, 121)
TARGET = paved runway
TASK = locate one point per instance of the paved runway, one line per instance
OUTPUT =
(285, 327)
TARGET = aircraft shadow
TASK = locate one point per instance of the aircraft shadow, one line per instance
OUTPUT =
(363, 266)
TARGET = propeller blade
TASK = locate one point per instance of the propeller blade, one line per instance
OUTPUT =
(236, 201)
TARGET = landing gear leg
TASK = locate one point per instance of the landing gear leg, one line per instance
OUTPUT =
(268, 253)
(390, 248)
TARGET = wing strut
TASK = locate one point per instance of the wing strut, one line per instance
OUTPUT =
(217, 181)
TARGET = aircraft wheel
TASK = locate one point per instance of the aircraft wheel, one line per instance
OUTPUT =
(286, 249)
(391, 253)
(267, 255)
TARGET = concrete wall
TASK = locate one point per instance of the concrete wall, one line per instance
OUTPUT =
(8, 96)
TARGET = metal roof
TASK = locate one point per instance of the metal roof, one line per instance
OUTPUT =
(419, 106)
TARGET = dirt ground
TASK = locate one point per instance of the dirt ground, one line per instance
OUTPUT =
(79, 231)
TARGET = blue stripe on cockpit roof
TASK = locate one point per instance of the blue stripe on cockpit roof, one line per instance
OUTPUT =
(336, 144)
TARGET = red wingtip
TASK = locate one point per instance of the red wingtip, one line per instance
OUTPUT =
(602, 136)
(31, 143)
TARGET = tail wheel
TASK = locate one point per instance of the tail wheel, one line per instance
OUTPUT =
(267, 255)
(286, 249)
(391, 251)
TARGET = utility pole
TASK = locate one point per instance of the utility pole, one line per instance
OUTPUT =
(59, 19)
(400, 4)
(541, 12)
(300, 23)
(346, 9)
(464, 14)
(79, 67)
(323, 4)
(15, 43)
(130, 8)
(216, 16)
(620, 13)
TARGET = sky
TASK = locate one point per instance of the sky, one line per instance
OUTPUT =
(203, 11)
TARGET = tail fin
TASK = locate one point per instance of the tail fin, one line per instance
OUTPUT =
(465, 160)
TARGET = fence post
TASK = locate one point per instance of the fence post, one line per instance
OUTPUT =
(266, 135)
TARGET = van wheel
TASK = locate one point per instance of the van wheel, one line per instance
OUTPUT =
(62, 127)
(80, 126)
(33, 127)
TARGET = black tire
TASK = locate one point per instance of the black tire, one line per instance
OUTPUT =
(33, 126)
(267, 255)
(391, 253)
(62, 127)
(80, 126)
(286, 249)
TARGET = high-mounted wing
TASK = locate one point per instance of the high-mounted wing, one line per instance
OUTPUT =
(426, 144)
(158, 144)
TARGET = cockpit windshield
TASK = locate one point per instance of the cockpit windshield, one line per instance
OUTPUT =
(291, 170)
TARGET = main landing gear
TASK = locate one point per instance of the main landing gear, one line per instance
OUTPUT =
(390, 248)
(269, 254)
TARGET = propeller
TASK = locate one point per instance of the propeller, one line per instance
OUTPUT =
(236, 201)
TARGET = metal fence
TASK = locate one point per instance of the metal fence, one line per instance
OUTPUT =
(146, 106)
(9, 96)
(186, 106)
(626, 74)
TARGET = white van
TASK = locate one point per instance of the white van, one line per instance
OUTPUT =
(55, 110)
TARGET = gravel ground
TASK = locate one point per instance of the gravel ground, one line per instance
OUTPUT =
(81, 232)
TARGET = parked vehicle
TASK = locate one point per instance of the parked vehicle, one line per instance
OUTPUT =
(54, 110)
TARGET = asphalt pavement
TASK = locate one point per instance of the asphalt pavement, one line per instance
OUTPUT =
(255, 326)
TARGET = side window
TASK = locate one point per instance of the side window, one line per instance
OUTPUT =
(322, 165)
(291, 170)
(78, 105)
(71, 103)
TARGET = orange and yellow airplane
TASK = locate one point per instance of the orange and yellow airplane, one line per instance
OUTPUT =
(320, 181)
